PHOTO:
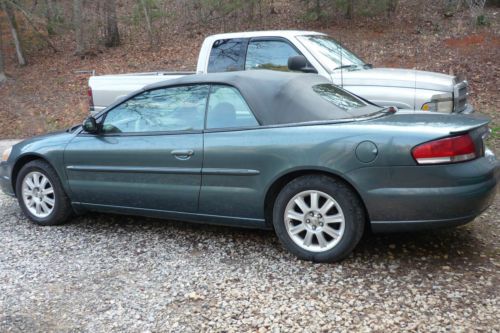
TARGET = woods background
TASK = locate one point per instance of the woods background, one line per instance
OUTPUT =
(45, 44)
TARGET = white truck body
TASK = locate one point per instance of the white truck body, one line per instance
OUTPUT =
(403, 88)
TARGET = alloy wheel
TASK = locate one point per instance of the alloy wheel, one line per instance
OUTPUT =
(314, 221)
(38, 194)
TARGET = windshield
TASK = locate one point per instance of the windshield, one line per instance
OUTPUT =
(330, 53)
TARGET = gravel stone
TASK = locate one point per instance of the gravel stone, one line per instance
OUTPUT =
(103, 273)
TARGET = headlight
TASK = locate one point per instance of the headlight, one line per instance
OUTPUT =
(6, 154)
(440, 103)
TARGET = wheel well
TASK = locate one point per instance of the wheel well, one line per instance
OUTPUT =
(18, 166)
(278, 184)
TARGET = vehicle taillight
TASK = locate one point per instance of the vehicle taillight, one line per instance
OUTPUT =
(91, 99)
(449, 150)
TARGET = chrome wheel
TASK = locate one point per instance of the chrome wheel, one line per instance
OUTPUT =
(314, 221)
(38, 194)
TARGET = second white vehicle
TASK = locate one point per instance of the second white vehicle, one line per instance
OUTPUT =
(306, 51)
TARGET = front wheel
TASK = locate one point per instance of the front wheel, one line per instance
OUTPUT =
(41, 195)
(318, 218)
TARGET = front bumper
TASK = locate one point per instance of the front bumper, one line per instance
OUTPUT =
(5, 180)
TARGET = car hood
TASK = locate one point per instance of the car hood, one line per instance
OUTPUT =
(43, 143)
(398, 77)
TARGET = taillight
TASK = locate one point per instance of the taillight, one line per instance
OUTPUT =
(91, 98)
(449, 150)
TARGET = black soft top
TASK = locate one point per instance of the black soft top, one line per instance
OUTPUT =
(276, 97)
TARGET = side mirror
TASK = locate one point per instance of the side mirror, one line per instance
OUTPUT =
(90, 125)
(299, 63)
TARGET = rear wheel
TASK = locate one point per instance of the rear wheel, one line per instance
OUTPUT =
(40, 194)
(318, 218)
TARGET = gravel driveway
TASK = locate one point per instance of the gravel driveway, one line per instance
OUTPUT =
(103, 273)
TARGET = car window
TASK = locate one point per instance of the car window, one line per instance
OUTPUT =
(227, 55)
(269, 55)
(338, 97)
(227, 108)
(160, 110)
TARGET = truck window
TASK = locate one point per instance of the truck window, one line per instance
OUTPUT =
(227, 55)
(269, 54)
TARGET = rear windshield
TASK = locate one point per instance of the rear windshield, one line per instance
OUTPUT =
(339, 97)
(227, 55)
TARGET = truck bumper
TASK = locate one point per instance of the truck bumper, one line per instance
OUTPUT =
(468, 109)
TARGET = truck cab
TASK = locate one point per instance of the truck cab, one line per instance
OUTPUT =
(403, 88)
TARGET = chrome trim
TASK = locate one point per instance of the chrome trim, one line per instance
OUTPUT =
(230, 172)
(124, 169)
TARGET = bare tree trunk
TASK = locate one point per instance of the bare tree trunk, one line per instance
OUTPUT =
(272, 11)
(391, 7)
(147, 16)
(11, 19)
(78, 25)
(2, 68)
(349, 9)
(112, 34)
(50, 15)
(317, 9)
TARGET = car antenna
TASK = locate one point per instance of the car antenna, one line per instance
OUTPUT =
(341, 64)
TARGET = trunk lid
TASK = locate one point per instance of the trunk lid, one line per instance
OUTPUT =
(435, 123)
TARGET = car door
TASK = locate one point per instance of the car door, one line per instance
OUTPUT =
(231, 175)
(148, 154)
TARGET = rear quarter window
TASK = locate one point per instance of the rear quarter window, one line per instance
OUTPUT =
(227, 55)
(338, 97)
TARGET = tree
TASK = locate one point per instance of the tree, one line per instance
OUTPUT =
(2, 69)
(78, 26)
(51, 16)
(112, 36)
(391, 7)
(146, 7)
(349, 9)
(11, 20)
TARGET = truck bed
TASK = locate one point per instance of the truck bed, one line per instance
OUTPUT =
(105, 89)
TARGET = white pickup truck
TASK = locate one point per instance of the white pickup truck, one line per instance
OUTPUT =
(306, 51)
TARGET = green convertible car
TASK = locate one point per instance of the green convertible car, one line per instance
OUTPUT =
(283, 151)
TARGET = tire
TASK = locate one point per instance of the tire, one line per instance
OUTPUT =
(57, 204)
(294, 230)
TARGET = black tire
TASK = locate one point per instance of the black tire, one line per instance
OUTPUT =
(62, 209)
(349, 202)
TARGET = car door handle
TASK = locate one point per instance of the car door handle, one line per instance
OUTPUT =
(183, 154)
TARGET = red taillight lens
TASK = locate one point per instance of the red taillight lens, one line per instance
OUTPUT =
(91, 98)
(449, 150)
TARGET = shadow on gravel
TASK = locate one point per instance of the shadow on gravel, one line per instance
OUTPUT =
(443, 246)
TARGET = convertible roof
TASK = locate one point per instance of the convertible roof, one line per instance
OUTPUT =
(274, 97)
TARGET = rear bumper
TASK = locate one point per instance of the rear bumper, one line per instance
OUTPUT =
(5, 181)
(406, 226)
(428, 197)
